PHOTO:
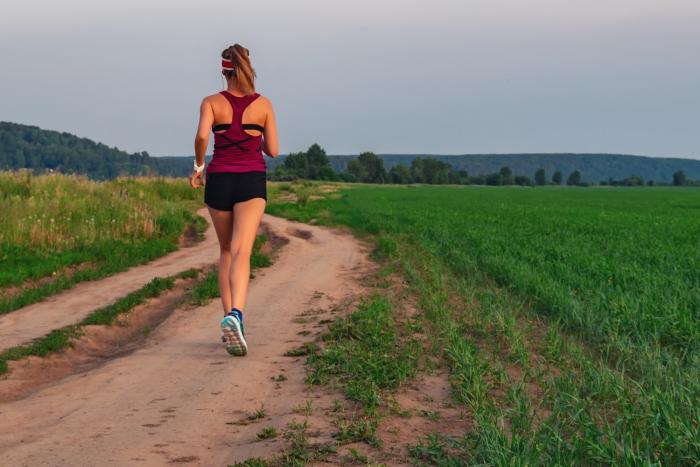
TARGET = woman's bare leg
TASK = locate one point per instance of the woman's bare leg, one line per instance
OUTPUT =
(223, 224)
(246, 219)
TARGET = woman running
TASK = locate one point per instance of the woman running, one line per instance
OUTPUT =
(235, 192)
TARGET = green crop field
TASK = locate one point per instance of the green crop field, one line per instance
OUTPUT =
(57, 230)
(569, 318)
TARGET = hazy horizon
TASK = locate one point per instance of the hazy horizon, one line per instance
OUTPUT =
(393, 77)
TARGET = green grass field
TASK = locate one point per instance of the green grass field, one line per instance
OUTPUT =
(569, 319)
(57, 230)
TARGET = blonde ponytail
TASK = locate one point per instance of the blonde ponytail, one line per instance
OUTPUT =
(243, 73)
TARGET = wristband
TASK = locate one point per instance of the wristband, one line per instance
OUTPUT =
(198, 168)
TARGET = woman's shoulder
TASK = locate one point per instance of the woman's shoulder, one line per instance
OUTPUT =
(263, 101)
(212, 99)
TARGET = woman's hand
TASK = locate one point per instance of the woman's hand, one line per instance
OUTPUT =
(196, 179)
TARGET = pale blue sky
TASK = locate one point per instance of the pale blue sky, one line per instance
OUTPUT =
(399, 76)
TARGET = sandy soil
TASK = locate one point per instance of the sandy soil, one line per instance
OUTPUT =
(70, 306)
(179, 397)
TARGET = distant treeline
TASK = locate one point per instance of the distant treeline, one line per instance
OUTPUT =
(314, 164)
(30, 147)
(593, 167)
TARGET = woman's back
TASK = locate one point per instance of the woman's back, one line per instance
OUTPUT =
(239, 123)
(254, 113)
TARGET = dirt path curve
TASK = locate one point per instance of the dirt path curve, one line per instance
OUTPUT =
(72, 305)
(176, 399)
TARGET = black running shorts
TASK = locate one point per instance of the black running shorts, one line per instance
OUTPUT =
(224, 189)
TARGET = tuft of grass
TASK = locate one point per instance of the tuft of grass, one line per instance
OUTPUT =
(207, 289)
(257, 258)
(252, 462)
(305, 349)
(356, 457)
(306, 409)
(189, 274)
(55, 340)
(268, 432)
(385, 248)
(356, 429)
(300, 450)
(434, 451)
(258, 414)
(108, 314)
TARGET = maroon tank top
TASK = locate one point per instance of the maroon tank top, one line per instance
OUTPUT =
(234, 149)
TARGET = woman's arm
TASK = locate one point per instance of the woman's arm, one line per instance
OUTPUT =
(201, 140)
(270, 141)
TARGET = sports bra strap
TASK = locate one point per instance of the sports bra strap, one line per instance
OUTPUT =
(239, 104)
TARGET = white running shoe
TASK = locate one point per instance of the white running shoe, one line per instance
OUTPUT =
(232, 336)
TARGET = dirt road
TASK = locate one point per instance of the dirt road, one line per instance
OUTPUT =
(69, 307)
(180, 397)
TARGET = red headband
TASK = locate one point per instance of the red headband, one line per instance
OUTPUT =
(226, 64)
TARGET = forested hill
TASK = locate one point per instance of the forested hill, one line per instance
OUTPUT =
(31, 147)
(593, 167)
(25, 146)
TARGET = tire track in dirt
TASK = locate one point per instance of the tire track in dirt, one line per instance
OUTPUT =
(70, 306)
(177, 398)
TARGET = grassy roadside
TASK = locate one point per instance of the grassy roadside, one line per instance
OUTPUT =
(59, 230)
(542, 388)
(59, 339)
(201, 293)
(121, 257)
(368, 355)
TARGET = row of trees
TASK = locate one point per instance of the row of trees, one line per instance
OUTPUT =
(314, 164)
(679, 179)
